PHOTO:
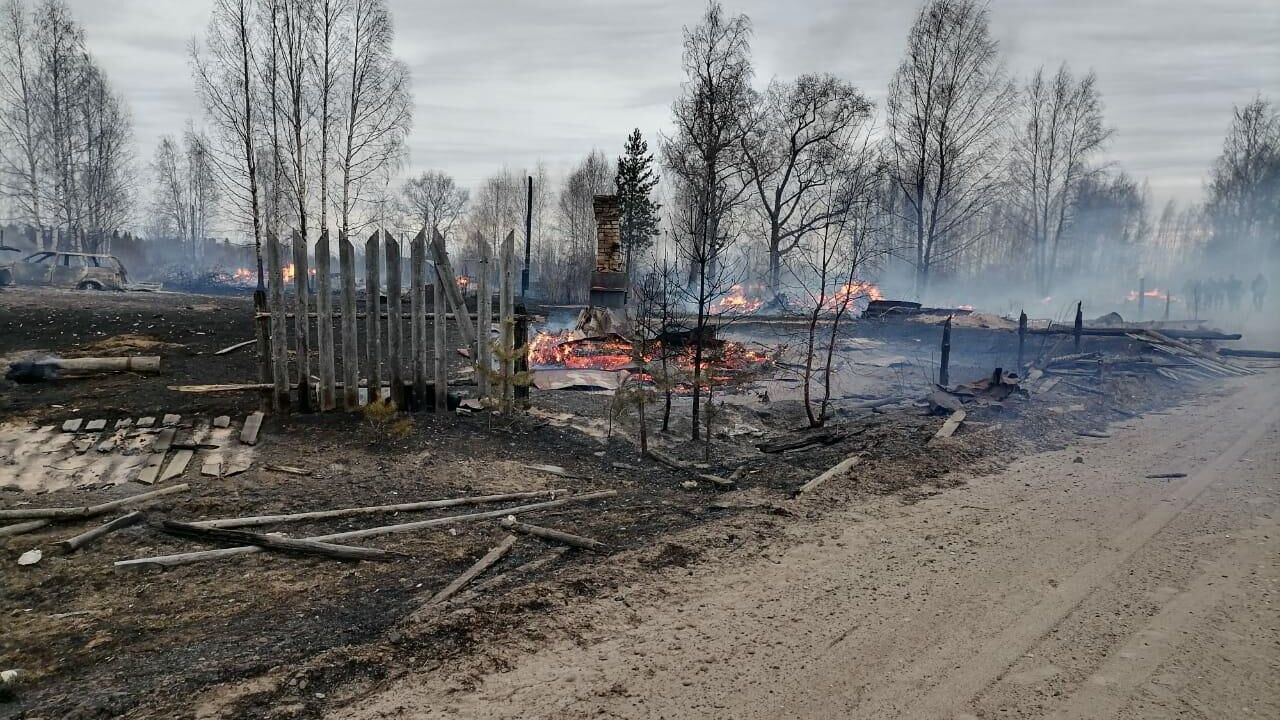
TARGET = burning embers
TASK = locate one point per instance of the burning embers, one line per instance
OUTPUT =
(1152, 294)
(736, 302)
(613, 352)
(744, 300)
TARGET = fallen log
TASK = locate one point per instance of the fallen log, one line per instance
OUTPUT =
(722, 483)
(195, 557)
(553, 470)
(72, 544)
(277, 543)
(841, 468)
(826, 437)
(67, 513)
(564, 538)
(1265, 354)
(141, 363)
(668, 460)
(23, 527)
(1092, 434)
(1122, 331)
(372, 510)
(490, 559)
(1166, 476)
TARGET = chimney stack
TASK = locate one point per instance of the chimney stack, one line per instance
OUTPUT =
(609, 281)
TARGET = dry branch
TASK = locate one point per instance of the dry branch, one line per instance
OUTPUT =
(373, 509)
(563, 538)
(65, 513)
(194, 557)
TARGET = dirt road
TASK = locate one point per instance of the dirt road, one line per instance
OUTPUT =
(1069, 586)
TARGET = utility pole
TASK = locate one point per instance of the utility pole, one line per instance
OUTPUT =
(528, 241)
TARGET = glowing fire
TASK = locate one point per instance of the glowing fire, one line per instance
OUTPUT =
(463, 282)
(736, 301)
(854, 292)
(244, 276)
(288, 273)
(613, 352)
(1153, 293)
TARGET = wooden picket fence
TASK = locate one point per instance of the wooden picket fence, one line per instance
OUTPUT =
(407, 365)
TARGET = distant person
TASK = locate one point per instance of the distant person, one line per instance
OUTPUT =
(1235, 292)
(1259, 291)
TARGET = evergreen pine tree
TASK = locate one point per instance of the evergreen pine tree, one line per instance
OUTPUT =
(636, 179)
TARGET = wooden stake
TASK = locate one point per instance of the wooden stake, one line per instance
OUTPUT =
(194, 557)
(484, 321)
(490, 559)
(417, 321)
(350, 342)
(65, 513)
(279, 328)
(563, 538)
(72, 544)
(465, 327)
(324, 324)
(395, 329)
(373, 510)
(373, 307)
(301, 326)
(440, 342)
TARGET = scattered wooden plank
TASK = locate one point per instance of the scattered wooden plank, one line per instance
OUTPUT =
(22, 527)
(564, 538)
(232, 348)
(951, 425)
(195, 557)
(72, 425)
(72, 544)
(252, 424)
(222, 421)
(1263, 354)
(163, 440)
(840, 468)
(550, 556)
(146, 422)
(95, 425)
(151, 470)
(288, 470)
(88, 511)
(371, 510)
(177, 465)
(490, 559)
(123, 423)
(171, 419)
(272, 542)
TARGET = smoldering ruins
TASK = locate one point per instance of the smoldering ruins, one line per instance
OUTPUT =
(922, 374)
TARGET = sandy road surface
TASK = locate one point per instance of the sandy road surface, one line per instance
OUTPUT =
(1056, 588)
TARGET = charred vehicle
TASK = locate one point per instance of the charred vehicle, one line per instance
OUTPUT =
(83, 271)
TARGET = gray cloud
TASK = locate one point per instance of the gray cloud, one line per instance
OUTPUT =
(512, 83)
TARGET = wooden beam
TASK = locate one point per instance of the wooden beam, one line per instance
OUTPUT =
(456, 301)
(490, 559)
(840, 468)
(553, 535)
(72, 544)
(66, 513)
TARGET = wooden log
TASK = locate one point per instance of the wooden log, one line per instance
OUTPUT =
(484, 321)
(301, 327)
(86, 365)
(272, 542)
(324, 324)
(506, 311)
(951, 425)
(1265, 354)
(372, 305)
(395, 329)
(280, 399)
(23, 527)
(439, 342)
(564, 538)
(195, 557)
(350, 340)
(1092, 434)
(490, 559)
(445, 268)
(88, 511)
(371, 510)
(1197, 352)
(232, 348)
(72, 544)
(840, 468)
(417, 321)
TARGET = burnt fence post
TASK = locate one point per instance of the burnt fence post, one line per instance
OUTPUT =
(1079, 327)
(1022, 338)
(944, 375)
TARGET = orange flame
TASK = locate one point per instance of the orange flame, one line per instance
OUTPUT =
(736, 301)
(1153, 293)
(854, 292)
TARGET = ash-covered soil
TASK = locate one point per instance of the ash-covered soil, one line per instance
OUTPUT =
(274, 636)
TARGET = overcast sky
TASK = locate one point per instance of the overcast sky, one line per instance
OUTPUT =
(510, 82)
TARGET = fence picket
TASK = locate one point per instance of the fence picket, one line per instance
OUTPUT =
(506, 308)
(440, 343)
(302, 325)
(373, 307)
(279, 327)
(456, 301)
(395, 335)
(418, 321)
(324, 323)
(484, 321)
(350, 342)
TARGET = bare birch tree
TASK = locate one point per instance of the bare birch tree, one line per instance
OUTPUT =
(797, 150)
(948, 106)
(435, 200)
(20, 139)
(1061, 128)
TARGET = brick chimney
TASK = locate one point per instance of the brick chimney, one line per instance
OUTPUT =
(609, 281)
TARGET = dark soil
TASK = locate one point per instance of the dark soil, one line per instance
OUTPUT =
(273, 636)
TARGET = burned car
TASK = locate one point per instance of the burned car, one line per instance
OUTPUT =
(83, 271)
